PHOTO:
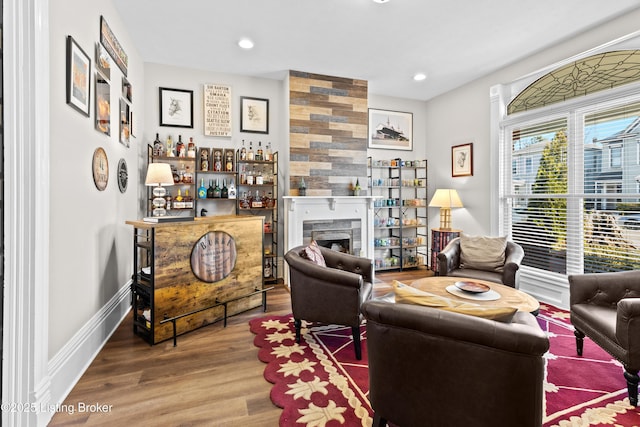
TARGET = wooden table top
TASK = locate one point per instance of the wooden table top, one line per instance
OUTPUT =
(509, 297)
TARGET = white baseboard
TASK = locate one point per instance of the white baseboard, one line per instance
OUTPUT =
(68, 365)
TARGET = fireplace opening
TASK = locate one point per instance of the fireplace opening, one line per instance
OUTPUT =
(337, 240)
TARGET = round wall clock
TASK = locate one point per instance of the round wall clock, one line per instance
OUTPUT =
(123, 175)
(213, 257)
(100, 168)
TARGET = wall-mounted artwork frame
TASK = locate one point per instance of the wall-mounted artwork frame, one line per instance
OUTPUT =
(78, 77)
(462, 160)
(217, 110)
(176, 107)
(390, 130)
(254, 115)
(125, 124)
(112, 45)
(103, 105)
(103, 62)
(127, 90)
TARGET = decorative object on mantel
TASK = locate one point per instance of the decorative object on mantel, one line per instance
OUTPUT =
(78, 77)
(392, 130)
(462, 160)
(357, 188)
(302, 189)
(445, 199)
(160, 176)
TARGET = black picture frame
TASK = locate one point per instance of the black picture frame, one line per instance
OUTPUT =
(390, 130)
(176, 107)
(78, 77)
(254, 115)
(102, 105)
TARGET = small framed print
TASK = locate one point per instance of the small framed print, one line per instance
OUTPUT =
(125, 130)
(127, 90)
(78, 77)
(254, 115)
(103, 61)
(176, 108)
(103, 105)
(462, 160)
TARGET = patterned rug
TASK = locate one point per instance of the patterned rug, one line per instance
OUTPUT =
(319, 383)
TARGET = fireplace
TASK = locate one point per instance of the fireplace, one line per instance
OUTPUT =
(335, 239)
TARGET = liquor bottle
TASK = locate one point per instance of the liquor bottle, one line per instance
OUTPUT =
(187, 178)
(250, 155)
(269, 152)
(217, 161)
(158, 147)
(188, 200)
(243, 175)
(267, 268)
(259, 178)
(249, 177)
(179, 202)
(302, 189)
(180, 149)
(191, 148)
(243, 152)
(259, 152)
(232, 189)
(256, 202)
(169, 146)
(202, 191)
(244, 201)
(216, 190)
(224, 193)
(228, 161)
(210, 190)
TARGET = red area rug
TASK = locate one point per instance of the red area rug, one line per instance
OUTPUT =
(320, 383)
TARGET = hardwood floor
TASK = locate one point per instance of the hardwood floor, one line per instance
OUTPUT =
(212, 378)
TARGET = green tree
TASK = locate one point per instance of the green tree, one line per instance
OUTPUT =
(551, 213)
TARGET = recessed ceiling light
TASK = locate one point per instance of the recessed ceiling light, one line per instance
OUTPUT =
(420, 77)
(245, 43)
(381, 1)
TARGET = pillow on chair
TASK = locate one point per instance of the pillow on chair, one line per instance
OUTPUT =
(409, 295)
(483, 252)
(313, 254)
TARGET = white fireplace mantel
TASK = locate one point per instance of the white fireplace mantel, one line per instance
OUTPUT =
(298, 209)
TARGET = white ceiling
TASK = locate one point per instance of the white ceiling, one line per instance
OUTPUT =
(452, 41)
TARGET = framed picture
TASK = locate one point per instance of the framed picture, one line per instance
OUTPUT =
(391, 130)
(112, 45)
(103, 105)
(126, 89)
(217, 110)
(462, 160)
(78, 77)
(103, 62)
(125, 130)
(176, 108)
(254, 115)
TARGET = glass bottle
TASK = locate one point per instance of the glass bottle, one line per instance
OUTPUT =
(269, 152)
(169, 146)
(259, 152)
(158, 147)
(249, 177)
(210, 190)
(267, 268)
(216, 190)
(232, 189)
(250, 155)
(191, 148)
(244, 201)
(243, 152)
(224, 193)
(179, 203)
(256, 202)
(202, 191)
(188, 200)
(259, 177)
(180, 149)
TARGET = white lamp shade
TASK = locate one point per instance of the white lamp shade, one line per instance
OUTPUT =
(446, 198)
(159, 174)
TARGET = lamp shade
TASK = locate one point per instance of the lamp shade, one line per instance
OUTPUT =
(446, 198)
(159, 174)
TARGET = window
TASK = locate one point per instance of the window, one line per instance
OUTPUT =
(615, 156)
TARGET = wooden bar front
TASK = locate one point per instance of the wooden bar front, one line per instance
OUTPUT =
(177, 290)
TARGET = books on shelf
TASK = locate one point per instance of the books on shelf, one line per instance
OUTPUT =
(160, 219)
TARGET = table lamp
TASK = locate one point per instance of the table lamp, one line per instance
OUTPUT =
(445, 199)
(160, 176)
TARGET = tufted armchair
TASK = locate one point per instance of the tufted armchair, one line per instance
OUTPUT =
(331, 294)
(606, 308)
(449, 264)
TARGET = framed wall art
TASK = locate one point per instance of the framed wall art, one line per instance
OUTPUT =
(254, 115)
(103, 105)
(217, 110)
(112, 45)
(462, 160)
(103, 61)
(78, 77)
(391, 130)
(125, 117)
(127, 90)
(176, 108)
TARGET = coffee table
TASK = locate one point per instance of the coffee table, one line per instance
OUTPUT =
(508, 296)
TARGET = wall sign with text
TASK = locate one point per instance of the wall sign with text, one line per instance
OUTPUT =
(217, 110)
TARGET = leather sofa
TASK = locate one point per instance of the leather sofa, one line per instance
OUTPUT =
(331, 294)
(449, 264)
(606, 308)
(429, 367)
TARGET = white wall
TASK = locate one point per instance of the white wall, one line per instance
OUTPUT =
(463, 115)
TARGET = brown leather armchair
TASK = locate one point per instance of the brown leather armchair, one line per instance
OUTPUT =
(449, 264)
(606, 308)
(331, 294)
(429, 367)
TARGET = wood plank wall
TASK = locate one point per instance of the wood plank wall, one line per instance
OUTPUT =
(328, 133)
